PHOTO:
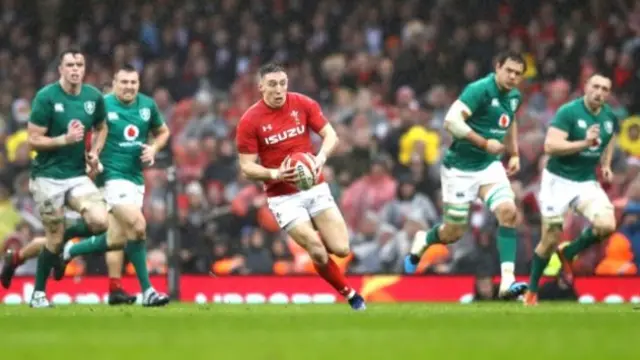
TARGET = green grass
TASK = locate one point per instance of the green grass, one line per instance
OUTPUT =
(327, 332)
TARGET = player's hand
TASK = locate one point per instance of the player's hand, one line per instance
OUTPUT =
(318, 163)
(593, 134)
(287, 174)
(75, 134)
(513, 166)
(94, 167)
(494, 147)
(148, 154)
(607, 174)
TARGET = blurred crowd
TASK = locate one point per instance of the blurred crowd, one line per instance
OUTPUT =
(384, 72)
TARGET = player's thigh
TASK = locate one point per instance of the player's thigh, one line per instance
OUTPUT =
(85, 198)
(459, 190)
(594, 204)
(124, 200)
(328, 220)
(554, 201)
(495, 188)
(49, 197)
(292, 216)
(556, 196)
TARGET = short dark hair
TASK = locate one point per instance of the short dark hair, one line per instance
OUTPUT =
(72, 51)
(127, 68)
(269, 68)
(513, 56)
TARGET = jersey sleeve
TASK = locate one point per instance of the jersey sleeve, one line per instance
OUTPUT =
(157, 119)
(316, 118)
(40, 111)
(246, 137)
(472, 96)
(562, 120)
(100, 114)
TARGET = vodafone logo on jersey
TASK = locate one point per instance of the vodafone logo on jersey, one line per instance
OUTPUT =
(131, 132)
(284, 135)
(504, 121)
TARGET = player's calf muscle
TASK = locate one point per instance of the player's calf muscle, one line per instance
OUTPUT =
(450, 233)
(604, 225)
(304, 235)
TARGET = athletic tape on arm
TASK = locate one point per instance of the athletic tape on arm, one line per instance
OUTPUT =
(455, 122)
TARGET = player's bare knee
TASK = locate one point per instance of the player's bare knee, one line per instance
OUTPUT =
(604, 225)
(318, 252)
(341, 251)
(139, 228)
(451, 233)
(97, 219)
(507, 214)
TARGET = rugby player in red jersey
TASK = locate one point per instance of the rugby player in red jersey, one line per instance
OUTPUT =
(275, 127)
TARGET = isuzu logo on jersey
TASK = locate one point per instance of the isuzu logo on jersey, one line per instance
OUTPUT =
(504, 121)
(90, 107)
(145, 114)
(131, 132)
(284, 135)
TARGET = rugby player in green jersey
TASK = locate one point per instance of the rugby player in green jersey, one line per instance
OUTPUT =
(73, 228)
(61, 114)
(580, 138)
(482, 122)
(132, 117)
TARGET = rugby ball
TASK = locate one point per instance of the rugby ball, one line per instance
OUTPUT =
(303, 164)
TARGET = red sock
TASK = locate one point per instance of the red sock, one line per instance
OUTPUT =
(114, 284)
(331, 273)
(17, 259)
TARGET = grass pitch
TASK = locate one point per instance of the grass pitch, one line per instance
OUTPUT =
(327, 332)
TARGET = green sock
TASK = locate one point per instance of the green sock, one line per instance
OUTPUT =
(90, 245)
(538, 265)
(586, 239)
(136, 251)
(433, 236)
(78, 228)
(507, 244)
(46, 260)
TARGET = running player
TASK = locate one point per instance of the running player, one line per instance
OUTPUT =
(580, 138)
(482, 122)
(61, 112)
(132, 117)
(273, 128)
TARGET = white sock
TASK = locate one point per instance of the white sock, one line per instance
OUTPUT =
(419, 243)
(507, 270)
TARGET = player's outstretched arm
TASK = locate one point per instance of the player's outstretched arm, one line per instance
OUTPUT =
(455, 122)
(556, 143)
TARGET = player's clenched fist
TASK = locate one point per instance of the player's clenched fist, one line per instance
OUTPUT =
(593, 134)
(75, 133)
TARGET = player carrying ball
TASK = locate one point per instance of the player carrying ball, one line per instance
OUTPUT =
(273, 128)
(580, 137)
(482, 122)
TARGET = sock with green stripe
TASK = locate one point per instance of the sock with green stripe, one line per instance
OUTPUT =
(136, 251)
(584, 241)
(538, 264)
